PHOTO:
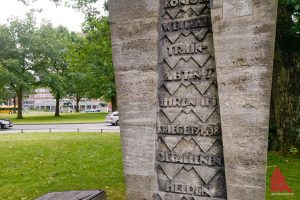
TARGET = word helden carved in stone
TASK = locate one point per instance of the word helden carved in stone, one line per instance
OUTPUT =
(200, 130)
(189, 158)
(196, 23)
(182, 49)
(187, 189)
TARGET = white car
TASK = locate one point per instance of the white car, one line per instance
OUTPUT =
(112, 118)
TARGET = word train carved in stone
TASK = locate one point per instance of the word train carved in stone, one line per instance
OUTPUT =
(189, 160)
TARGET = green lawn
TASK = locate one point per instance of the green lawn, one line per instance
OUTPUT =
(48, 118)
(34, 164)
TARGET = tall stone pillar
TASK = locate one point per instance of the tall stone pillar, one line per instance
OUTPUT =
(135, 56)
(244, 38)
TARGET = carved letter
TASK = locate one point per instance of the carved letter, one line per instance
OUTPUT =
(191, 190)
(161, 157)
(169, 187)
(167, 27)
(177, 188)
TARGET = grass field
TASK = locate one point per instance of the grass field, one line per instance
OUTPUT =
(48, 118)
(34, 164)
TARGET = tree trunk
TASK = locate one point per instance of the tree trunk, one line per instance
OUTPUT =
(114, 104)
(20, 104)
(57, 98)
(15, 105)
(286, 87)
(77, 103)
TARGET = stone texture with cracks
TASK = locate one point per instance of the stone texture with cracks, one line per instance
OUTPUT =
(244, 38)
(135, 56)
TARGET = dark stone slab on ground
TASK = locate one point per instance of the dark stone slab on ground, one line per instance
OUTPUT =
(75, 195)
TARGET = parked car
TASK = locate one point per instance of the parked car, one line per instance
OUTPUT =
(113, 118)
(5, 123)
(92, 110)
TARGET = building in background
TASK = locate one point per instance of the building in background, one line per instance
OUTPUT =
(43, 100)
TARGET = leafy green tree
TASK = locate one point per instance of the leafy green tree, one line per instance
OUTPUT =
(77, 86)
(98, 56)
(78, 82)
(5, 90)
(53, 44)
(86, 6)
(93, 57)
(18, 44)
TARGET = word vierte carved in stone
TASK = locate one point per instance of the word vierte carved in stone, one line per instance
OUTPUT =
(189, 158)
(185, 102)
(182, 49)
(196, 23)
(175, 3)
(187, 189)
(189, 75)
(200, 130)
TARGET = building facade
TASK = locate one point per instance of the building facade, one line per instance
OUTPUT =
(42, 99)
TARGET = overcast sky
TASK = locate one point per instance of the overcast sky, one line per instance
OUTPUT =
(68, 17)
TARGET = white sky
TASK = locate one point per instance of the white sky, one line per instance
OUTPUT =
(60, 15)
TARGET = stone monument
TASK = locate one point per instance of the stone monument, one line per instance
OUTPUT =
(193, 84)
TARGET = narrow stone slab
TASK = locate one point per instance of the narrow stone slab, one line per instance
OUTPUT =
(244, 38)
(134, 31)
(75, 195)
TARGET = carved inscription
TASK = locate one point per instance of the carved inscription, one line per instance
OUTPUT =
(199, 22)
(200, 130)
(187, 189)
(184, 102)
(175, 3)
(189, 75)
(189, 158)
(183, 49)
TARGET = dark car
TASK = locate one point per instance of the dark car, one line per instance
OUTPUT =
(6, 123)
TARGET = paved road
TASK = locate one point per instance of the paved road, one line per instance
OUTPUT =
(94, 127)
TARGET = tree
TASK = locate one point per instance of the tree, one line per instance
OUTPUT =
(88, 7)
(93, 57)
(98, 53)
(78, 82)
(285, 112)
(51, 59)
(18, 46)
(94, 54)
(77, 87)
(5, 90)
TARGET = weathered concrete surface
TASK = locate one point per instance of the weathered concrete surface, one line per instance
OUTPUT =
(189, 164)
(244, 37)
(135, 37)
